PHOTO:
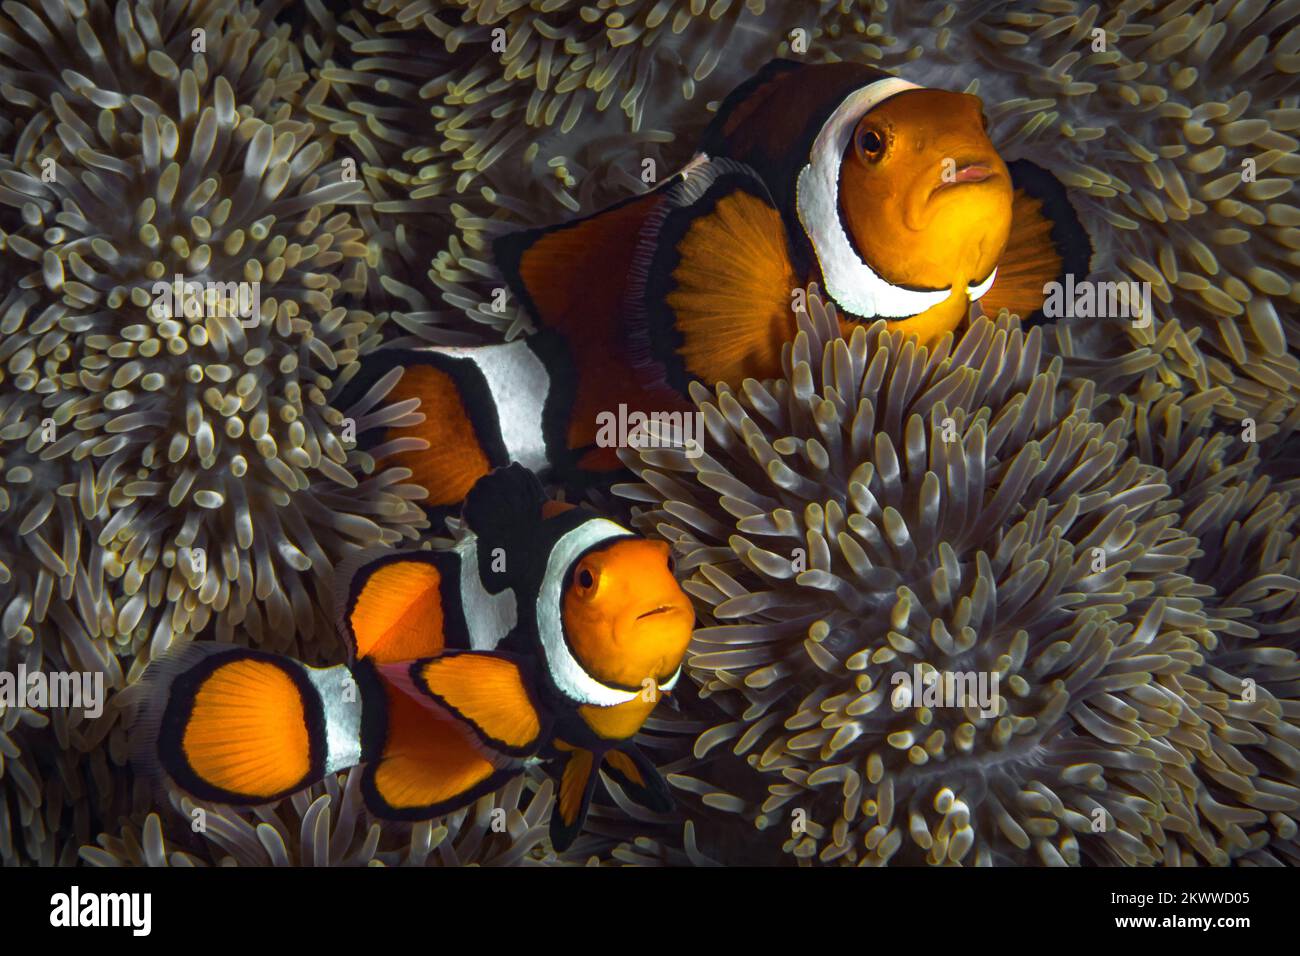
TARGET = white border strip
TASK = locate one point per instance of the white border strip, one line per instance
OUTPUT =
(974, 292)
(519, 384)
(342, 716)
(488, 617)
(568, 674)
(849, 280)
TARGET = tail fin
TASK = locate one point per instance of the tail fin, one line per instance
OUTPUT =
(235, 725)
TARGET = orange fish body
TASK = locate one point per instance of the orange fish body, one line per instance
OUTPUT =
(890, 196)
(547, 634)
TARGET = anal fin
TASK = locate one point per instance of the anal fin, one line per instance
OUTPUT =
(426, 764)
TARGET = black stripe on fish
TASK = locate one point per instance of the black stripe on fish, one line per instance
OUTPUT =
(557, 404)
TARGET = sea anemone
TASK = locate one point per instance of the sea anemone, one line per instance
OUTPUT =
(64, 776)
(567, 62)
(206, 456)
(372, 91)
(327, 825)
(457, 150)
(174, 437)
(1246, 788)
(621, 832)
(171, 461)
(885, 510)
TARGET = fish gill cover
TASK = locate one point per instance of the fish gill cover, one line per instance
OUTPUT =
(1103, 514)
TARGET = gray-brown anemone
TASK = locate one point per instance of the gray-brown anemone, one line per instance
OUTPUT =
(460, 142)
(63, 777)
(170, 462)
(1245, 787)
(212, 476)
(885, 510)
(327, 825)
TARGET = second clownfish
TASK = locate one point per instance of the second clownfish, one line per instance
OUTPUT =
(890, 196)
(547, 635)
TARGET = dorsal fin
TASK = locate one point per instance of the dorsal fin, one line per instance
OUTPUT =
(501, 509)
(504, 503)
(744, 101)
(571, 279)
(399, 605)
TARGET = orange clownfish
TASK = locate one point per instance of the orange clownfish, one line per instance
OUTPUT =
(547, 634)
(890, 196)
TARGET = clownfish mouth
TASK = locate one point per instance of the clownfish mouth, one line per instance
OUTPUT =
(970, 173)
(661, 609)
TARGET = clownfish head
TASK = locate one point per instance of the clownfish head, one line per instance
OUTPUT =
(923, 193)
(906, 204)
(626, 618)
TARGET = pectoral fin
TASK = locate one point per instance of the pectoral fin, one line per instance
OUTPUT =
(717, 298)
(488, 692)
(639, 778)
(1046, 242)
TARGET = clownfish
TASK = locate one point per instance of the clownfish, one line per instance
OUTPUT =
(889, 196)
(546, 635)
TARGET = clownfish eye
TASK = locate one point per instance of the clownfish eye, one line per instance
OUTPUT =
(870, 144)
(584, 580)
